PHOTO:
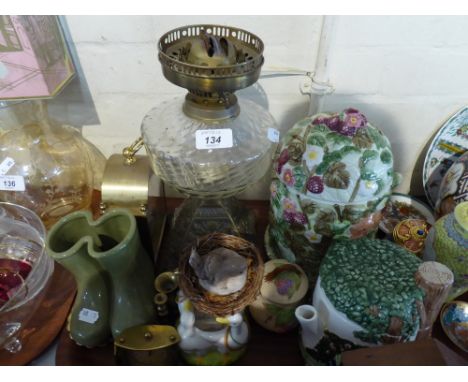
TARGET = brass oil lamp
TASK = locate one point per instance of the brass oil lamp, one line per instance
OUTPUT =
(210, 145)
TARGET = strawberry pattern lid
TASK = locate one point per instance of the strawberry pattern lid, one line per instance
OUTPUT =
(338, 158)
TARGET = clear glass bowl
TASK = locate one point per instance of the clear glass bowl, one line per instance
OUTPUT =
(169, 137)
(25, 270)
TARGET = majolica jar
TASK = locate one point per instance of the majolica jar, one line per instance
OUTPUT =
(334, 174)
(451, 246)
(369, 292)
(283, 289)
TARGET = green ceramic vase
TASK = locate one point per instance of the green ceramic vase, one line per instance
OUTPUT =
(114, 274)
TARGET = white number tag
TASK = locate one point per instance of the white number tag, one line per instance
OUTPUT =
(213, 139)
(6, 165)
(12, 183)
(88, 315)
(273, 135)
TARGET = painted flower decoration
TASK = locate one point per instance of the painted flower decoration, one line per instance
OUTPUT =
(289, 205)
(353, 120)
(347, 125)
(313, 156)
(288, 177)
(283, 286)
(313, 237)
(368, 187)
(315, 184)
(282, 160)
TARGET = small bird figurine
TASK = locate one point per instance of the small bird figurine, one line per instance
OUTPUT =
(221, 271)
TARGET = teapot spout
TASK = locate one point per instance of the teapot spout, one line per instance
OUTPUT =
(312, 327)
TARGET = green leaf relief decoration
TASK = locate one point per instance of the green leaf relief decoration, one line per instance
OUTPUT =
(307, 206)
(369, 175)
(353, 214)
(328, 159)
(322, 128)
(340, 228)
(337, 176)
(348, 150)
(380, 186)
(367, 172)
(324, 222)
(362, 140)
(378, 138)
(317, 140)
(296, 148)
(276, 202)
(299, 178)
(386, 156)
(367, 156)
(338, 139)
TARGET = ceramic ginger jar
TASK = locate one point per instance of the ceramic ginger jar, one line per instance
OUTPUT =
(283, 289)
(451, 246)
(367, 294)
(334, 174)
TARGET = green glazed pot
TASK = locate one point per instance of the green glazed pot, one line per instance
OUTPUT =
(114, 274)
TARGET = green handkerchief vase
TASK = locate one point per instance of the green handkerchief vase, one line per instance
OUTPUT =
(114, 274)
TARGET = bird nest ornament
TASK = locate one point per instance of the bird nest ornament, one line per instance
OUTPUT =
(221, 275)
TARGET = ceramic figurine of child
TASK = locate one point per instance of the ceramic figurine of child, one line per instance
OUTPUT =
(209, 340)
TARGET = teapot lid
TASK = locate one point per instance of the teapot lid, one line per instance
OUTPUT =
(283, 282)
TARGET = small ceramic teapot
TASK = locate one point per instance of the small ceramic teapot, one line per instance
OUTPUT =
(451, 246)
(369, 293)
(283, 288)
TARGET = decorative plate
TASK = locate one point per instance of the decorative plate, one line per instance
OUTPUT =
(401, 207)
(454, 187)
(449, 144)
(454, 320)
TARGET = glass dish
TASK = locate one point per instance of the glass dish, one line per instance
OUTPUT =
(25, 270)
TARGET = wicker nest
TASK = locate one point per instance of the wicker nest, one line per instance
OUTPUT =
(212, 304)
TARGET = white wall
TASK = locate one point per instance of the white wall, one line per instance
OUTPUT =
(407, 74)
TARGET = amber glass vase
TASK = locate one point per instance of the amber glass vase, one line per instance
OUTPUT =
(45, 166)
